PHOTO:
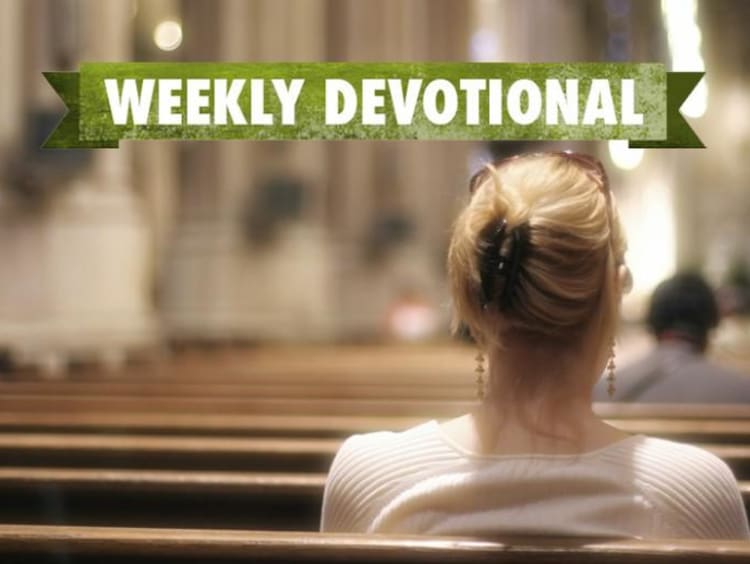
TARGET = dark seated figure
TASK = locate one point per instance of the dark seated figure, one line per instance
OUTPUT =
(682, 313)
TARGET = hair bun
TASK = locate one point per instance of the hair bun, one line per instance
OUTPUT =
(534, 253)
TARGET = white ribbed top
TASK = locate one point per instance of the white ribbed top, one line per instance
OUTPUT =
(419, 482)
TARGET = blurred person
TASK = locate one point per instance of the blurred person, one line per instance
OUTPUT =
(536, 270)
(682, 313)
(411, 317)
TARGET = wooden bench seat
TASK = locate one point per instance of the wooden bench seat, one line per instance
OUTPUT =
(97, 420)
(228, 405)
(244, 404)
(170, 481)
(274, 387)
(88, 450)
(161, 498)
(167, 498)
(312, 397)
(86, 545)
(265, 388)
(278, 454)
(406, 408)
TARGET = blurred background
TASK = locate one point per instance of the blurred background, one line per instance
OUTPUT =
(112, 257)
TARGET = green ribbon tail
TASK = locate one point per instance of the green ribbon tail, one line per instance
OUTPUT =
(66, 134)
(679, 133)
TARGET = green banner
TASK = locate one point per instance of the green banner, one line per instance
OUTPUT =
(461, 101)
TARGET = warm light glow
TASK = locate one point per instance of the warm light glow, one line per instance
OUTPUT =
(484, 39)
(483, 46)
(623, 156)
(651, 237)
(696, 104)
(735, 123)
(168, 35)
(684, 38)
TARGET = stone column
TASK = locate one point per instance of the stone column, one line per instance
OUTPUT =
(22, 296)
(219, 285)
(11, 63)
(189, 286)
(109, 37)
(275, 303)
(97, 240)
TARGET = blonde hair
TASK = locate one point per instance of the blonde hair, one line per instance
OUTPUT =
(573, 242)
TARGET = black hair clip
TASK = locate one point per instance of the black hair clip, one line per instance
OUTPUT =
(502, 259)
(492, 263)
(517, 250)
(502, 262)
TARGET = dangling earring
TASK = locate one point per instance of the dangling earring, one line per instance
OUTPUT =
(611, 371)
(479, 370)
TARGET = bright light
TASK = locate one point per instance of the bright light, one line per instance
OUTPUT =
(623, 156)
(696, 104)
(483, 46)
(684, 38)
(168, 35)
(735, 124)
(412, 322)
(651, 237)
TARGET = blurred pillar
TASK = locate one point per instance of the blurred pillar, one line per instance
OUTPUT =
(407, 181)
(353, 170)
(237, 26)
(236, 158)
(308, 32)
(428, 190)
(191, 281)
(535, 30)
(157, 180)
(23, 297)
(280, 305)
(221, 285)
(96, 244)
(109, 36)
(11, 63)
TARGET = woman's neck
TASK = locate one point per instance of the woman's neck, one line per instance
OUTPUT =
(540, 399)
(561, 375)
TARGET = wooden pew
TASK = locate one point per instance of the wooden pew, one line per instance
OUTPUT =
(159, 498)
(99, 421)
(720, 430)
(144, 402)
(261, 406)
(268, 387)
(167, 452)
(211, 453)
(167, 498)
(86, 545)
(275, 387)
(441, 363)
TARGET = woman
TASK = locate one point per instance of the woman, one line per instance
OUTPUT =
(536, 267)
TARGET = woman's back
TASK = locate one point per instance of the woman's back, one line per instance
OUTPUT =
(420, 481)
(536, 270)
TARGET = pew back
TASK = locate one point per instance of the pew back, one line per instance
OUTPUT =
(85, 545)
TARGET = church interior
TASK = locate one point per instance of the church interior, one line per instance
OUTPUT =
(189, 329)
